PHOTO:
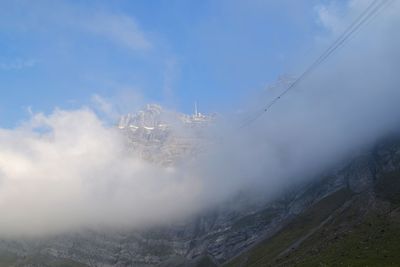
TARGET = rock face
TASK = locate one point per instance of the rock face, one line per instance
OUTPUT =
(164, 137)
(224, 232)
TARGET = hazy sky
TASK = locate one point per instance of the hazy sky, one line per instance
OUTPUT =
(174, 52)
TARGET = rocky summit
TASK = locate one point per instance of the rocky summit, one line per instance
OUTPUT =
(162, 136)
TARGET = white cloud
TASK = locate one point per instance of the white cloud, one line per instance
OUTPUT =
(104, 106)
(70, 17)
(118, 28)
(125, 100)
(336, 16)
(329, 17)
(67, 170)
(170, 75)
(18, 64)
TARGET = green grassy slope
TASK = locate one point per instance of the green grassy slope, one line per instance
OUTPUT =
(373, 242)
(269, 250)
(362, 230)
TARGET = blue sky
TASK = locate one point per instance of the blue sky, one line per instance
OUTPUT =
(61, 53)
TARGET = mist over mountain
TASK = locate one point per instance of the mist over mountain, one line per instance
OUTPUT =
(72, 163)
(309, 177)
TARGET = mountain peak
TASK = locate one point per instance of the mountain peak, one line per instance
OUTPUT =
(163, 136)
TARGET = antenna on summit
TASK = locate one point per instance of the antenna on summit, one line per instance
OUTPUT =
(195, 109)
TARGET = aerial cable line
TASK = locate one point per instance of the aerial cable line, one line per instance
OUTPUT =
(363, 18)
(369, 19)
(355, 26)
(370, 11)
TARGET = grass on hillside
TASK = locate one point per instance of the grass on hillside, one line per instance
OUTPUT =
(268, 250)
(375, 241)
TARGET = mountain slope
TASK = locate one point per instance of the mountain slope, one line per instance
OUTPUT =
(349, 237)
(8, 259)
(357, 225)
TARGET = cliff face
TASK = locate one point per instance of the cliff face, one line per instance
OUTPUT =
(164, 137)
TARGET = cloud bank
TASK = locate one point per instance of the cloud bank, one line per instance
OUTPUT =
(348, 103)
(70, 170)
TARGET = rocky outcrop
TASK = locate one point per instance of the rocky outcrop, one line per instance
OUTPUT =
(164, 137)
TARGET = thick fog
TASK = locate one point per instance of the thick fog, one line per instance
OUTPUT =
(70, 169)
